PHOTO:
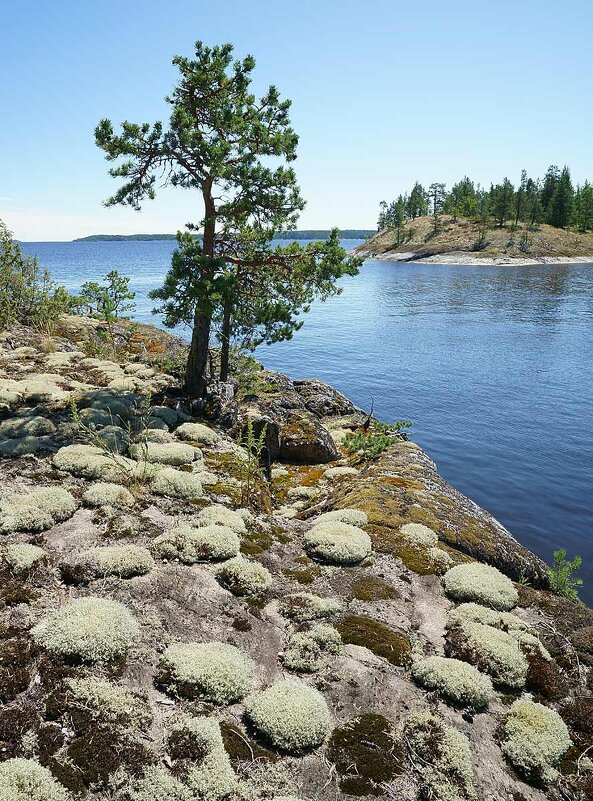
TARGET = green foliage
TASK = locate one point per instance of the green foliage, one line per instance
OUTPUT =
(247, 465)
(27, 293)
(561, 575)
(235, 151)
(108, 301)
(371, 443)
(553, 200)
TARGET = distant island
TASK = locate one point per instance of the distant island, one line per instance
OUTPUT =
(347, 233)
(540, 220)
(467, 241)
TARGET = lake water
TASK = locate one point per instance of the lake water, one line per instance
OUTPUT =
(493, 365)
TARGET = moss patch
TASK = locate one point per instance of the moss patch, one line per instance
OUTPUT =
(304, 575)
(394, 646)
(256, 542)
(369, 588)
(15, 667)
(366, 754)
(242, 748)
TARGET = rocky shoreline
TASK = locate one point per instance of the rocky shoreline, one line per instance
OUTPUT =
(361, 630)
(470, 259)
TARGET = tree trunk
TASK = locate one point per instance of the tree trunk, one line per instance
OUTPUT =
(197, 360)
(196, 382)
(225, 342)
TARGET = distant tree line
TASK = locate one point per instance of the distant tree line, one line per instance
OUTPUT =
(553, 200)
(317, 234)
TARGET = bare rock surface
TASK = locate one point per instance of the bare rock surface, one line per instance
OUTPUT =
(349, 634)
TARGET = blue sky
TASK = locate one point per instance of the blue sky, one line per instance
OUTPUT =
(383, 93)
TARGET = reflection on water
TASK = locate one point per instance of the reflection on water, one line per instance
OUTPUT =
(493, 365)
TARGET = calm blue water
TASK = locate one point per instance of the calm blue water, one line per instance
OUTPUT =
(493, 365)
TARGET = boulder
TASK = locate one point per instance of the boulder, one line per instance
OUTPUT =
(293, 433)
(323, 400)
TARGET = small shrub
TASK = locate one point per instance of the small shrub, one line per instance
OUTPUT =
(290, 716)
(220, 515)
(173, 454)
(304, 606)
(354, 517)
(459, 682)
(561, 575)
(338, 543)
(23, 557)
(196, 432)
(104, 493)
(213, 670)
(191, 545)
(90, 629)
(534, 740)
(371, 443)
(244, 577)
(124, 561)
(27, 294)
(442, 756)
(177, 484)
(27, 780)
(306, 649)
(247, 465)
(481, 583)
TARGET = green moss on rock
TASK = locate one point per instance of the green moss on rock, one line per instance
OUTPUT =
(383, 641)
(366, 754)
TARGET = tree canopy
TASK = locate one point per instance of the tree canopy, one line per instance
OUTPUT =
(553, 200)
(235, 151)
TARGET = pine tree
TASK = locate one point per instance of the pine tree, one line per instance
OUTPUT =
(417, 205)
(520, 197)
(561, 206)
(501, 201)
(234, 151)
(548, 190)
(437, 194)
(584, 207)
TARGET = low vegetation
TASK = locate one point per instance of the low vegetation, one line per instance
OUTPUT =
(442, 757)
(212, 670)
(534, 739)
(290, 716)
(90, 629)
(457, 681)
(244, 576)
(481, 583)
(337, 543)
(561, 575)
(191, 545)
